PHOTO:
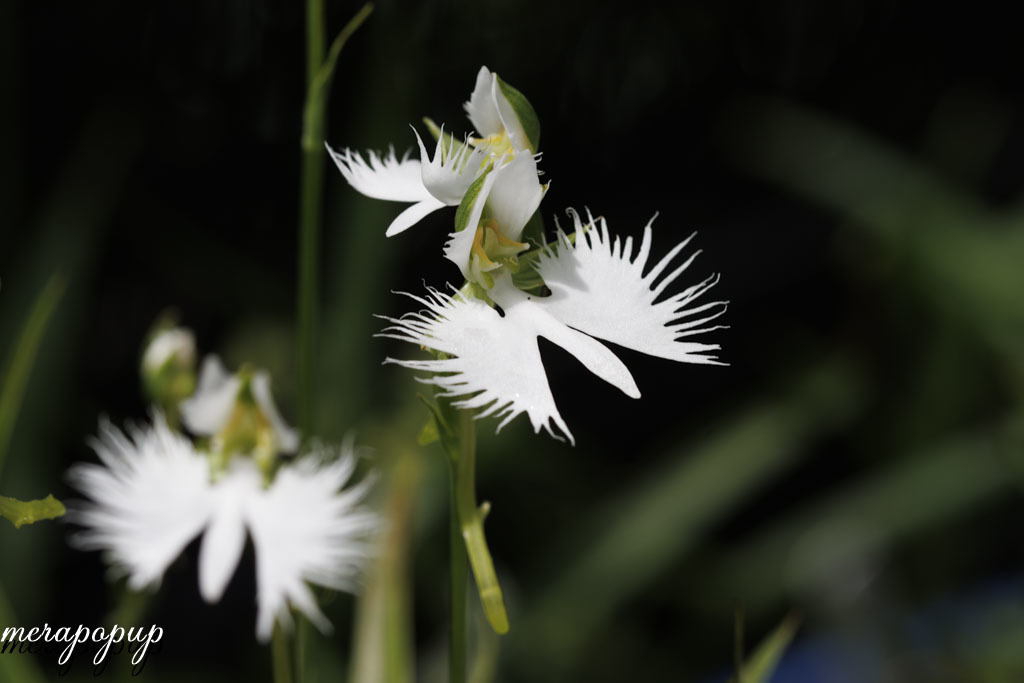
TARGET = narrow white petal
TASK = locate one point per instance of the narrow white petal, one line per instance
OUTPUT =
(305, 531)
(448, 176)
(598, 287)
(413, 215)
(509, 120)
(224, 540)
(287, 438)
(209, 408)
(148, 499)
(515, 195)
(594, 355)
(383, 177)
(481, 109)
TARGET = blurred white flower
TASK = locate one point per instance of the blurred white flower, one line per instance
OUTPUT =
(176, 344)
(209, 411)
(153, 493)
(598, 288)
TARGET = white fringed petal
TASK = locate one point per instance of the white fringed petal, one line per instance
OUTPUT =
(448, 176)
(600, 288)
(390, 178)
(305, 531)
(152, 495)
(497, 364)
(209, 408)
(481, 109)
(148, 499)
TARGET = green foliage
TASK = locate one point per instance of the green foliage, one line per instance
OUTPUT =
(19, 512)
(760, 666)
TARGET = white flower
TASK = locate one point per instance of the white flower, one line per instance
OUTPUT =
(598, 288)
(175, 344)
(153, 494)
(210, 408)
(431, 183)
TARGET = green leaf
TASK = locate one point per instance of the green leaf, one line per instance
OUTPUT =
(19, 512)
(428, 434)
(761, 665)
(19, 367)
(466, 206)
(524, 112)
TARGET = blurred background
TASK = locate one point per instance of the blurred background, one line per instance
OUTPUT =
(854, 171)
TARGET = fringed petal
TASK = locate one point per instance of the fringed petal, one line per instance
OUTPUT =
(600, 288)
(148, 499)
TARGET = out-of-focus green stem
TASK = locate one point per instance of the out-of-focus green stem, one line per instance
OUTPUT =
(311, 180)
(457, 589)
(319, 71)
(281, 656)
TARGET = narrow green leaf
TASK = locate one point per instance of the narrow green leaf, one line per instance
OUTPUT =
(22, 358)
(524, 111)
(22, 512)
(761, 665)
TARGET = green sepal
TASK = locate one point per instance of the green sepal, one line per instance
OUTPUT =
(444, 433)
(534, 231)
(466, 205)
(524, 112)
(21, 512)
(447, 139)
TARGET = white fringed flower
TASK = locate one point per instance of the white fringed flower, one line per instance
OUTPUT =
(208, 411)
(598, 286)
(153, 494)
(495, 109)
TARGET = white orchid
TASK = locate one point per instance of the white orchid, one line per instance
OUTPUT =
(154, 493)
(598, 288)
(223, 399)
(507, 126)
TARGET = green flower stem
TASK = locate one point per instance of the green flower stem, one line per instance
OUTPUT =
(281, 656)
(457, 431)
(319, 72)
(457, 588)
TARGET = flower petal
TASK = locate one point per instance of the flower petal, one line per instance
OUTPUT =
(413, 215)
(497, 363)
(387, 177)
(304, 530)
(599, 288)
(287, 438)
(509, 119)
(515, 195)
(148, 499)
(481, 108)
(448, 176)
(224, 540)
(209, 408)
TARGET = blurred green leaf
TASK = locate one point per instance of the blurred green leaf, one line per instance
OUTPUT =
(761, 664)
(22, 512)
(663, 518)
(19, 366)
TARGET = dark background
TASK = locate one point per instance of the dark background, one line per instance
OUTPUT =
(854, 170)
